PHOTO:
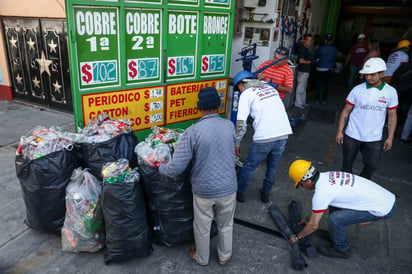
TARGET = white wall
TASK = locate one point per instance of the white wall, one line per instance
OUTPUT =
(33, 8)
(264, 52)
(316, 20)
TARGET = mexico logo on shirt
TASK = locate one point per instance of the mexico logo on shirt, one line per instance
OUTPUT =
(382, 99)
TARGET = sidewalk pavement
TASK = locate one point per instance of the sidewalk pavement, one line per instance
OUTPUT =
(382, 247)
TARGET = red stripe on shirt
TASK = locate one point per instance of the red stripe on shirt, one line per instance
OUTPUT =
(319, 211)
(349, 103)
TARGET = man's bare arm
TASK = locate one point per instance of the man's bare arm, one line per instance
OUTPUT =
(342, 122)
(240, 130)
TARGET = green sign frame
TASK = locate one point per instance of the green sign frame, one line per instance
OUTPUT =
(122, 50)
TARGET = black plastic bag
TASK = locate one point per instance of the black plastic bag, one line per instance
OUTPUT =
(124, 211)
(95, 155)
(43, 182)
(298, 262)
(170, 206)
(295, 216)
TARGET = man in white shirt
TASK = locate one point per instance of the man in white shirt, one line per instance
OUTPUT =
(271, 129)
(398, 57)
(367, 106)
(349, 198)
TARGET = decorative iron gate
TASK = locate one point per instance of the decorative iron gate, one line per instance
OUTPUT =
(38, 61)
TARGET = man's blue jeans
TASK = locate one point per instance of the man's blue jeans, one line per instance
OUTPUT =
(257, 152)
(339, 219)
(370, 151)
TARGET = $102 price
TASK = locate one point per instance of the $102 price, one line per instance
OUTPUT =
(98, 72)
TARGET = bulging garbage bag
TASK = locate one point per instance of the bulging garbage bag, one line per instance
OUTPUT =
(96, 155)
(298, 262)
(170, 206)
(295, 216)
(127, 232)
(43, 182)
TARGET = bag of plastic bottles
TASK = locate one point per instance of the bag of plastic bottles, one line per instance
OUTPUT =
(161, 135)
(124, 210)
(43, 182)
(83, 228)
(41, 141)
(148, 155)
(106, 141)
(157, 146)
(104, 128)
(96, 155)
(170, 202)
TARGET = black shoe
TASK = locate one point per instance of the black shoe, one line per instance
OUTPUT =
(240, 197)
(264, 197)
(299, 107)
(330, 251)
(405, 142)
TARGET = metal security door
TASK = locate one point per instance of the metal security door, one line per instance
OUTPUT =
(38, 60)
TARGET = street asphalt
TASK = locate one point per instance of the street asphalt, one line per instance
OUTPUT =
(382, 247)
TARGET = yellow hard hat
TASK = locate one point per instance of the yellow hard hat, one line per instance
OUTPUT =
(298, 169)
(403, 44)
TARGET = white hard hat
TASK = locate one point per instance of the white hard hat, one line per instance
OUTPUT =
(373, 65)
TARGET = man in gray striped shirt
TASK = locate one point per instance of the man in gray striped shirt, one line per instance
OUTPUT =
(209, 145)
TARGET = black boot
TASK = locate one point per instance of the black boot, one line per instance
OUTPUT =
(264, 197)
(240, 197)
(330, 251)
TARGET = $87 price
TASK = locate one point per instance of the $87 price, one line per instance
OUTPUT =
(145, 68)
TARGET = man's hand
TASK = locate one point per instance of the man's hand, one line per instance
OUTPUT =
(387, 145)
(344, 115)
(260, 76)
(237, 149)
(339, 137)
(292, 238)
(392, 120)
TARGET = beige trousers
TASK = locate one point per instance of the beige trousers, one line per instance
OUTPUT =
(205, 210)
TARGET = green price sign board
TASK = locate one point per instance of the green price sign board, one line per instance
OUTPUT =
(97, 47)
(146, 60)
(143, 45)
(218, 3)
(184, 2)
(214, 43)
(182, 44)
(144, 2)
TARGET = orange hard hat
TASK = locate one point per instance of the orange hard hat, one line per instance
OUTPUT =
(403, 44)
(298, 169)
